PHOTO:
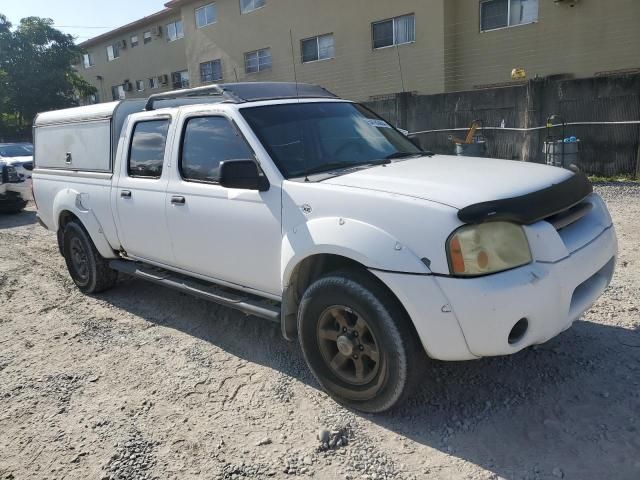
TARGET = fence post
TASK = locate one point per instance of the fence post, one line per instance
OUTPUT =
(532, 118)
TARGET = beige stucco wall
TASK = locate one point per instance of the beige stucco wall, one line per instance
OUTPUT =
(450, 53)
(140, 63)
(594, 36)
(356, 72)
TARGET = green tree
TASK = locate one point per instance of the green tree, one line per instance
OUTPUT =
(37, 61)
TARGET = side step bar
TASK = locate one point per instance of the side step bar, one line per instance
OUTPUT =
(247, 303)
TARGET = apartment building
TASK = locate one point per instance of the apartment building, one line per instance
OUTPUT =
(138, 59)
(364, 48)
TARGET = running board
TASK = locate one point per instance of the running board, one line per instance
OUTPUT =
(245, 302)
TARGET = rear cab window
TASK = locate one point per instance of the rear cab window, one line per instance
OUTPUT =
(206, 142)
(147, 148)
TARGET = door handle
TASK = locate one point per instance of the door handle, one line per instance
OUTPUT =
(125, 194)
(177, 200)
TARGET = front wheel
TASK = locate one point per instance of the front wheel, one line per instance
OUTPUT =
(88, 269)
(358, 341)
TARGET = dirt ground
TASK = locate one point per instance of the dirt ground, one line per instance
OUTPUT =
(143, 382)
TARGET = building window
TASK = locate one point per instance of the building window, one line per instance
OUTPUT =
(87, 60)
(146, 37)
(174, 31)
(134, 41)
(257, 61)
(247, 6)
(140, 85)
(146, 153)
(318, 48)
(394, 31)
(207, 142)
(113, 52)
(211, 71)
(153, 82)
(496, 14)
(180, 79)
(117, 92)
(206, 15)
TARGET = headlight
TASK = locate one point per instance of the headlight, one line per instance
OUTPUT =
(490, 247)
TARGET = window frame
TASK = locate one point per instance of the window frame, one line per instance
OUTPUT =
(482, 2)
(180, 72)
(393, 23)
(246, 12)
(115, 52)
(204, 7)
(153, 83)
(136, 43)
(166, 118)
(147, 38)
(138, 82)
(174, 24)
(202, 80)
(120, 88)
(234, 125)
(257, 52)
(88, 56)
(317, 39)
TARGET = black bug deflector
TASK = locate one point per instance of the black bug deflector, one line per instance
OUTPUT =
(532, 207)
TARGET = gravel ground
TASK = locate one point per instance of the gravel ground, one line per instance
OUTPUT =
(146, 383)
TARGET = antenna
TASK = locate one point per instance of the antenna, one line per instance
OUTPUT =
(403, 89)
(293, 62)
(295, 77)
(235, 73)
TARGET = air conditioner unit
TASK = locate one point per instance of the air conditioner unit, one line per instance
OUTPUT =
(156, 31)
(163, 79)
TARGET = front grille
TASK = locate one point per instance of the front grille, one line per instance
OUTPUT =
(570, 216)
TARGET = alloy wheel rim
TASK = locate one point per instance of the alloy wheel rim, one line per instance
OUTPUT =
(348, 346)
(79, 259)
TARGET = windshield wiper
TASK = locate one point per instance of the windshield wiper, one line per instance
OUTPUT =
(398, 155)
(331, 166)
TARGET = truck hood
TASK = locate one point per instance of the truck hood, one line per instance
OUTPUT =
(455, 181)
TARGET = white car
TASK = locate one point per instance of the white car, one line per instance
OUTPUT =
(16, 164)
(19, 158)
(288, 203)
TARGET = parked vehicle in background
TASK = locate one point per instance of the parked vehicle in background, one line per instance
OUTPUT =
(16, 163)
(288, 203)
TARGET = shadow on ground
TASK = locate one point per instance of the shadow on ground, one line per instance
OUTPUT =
(12, 220)
(567, 408)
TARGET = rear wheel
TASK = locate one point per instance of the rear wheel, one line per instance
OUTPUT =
(88, 269)
(358, 341)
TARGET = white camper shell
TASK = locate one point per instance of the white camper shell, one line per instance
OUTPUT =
(81, 138)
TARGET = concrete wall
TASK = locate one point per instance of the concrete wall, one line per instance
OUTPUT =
(357, 71)
(591, 37)
(604, 149)
(140, 63)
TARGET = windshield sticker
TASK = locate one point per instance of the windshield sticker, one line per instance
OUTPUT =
(378, 123)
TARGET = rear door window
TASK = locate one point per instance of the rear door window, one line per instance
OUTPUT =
(206, 142)
(146, 154)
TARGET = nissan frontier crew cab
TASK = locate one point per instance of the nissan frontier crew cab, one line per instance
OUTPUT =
(285, 202)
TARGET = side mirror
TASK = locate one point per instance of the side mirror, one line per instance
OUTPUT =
(242, 174)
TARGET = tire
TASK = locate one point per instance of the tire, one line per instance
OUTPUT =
(88, 269)
(371, 369)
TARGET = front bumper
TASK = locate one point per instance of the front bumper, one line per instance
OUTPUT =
(465, 318)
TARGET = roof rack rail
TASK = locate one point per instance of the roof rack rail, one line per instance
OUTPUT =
(244, 92)
(207, 91)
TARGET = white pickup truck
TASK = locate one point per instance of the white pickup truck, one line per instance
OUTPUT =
(288, 203)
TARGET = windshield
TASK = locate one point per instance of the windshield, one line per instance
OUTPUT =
(315, 137)
(18, 150)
